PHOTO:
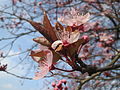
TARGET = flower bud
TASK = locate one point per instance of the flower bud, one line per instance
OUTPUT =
(66, 88)
(56, 43)
(64, 81)
(86, 38)
(56, 89)
(59, 85)
(53, 84)
(39, 3)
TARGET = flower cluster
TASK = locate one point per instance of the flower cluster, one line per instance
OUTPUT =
(59, 41)
(74, 19)
(3, 67)
(61, 85)
(44, 57)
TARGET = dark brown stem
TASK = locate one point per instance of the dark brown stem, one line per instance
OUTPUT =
(18, 76)
(108, 68)
(78, 60)
(64, 70)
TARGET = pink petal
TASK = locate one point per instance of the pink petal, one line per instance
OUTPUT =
(89, 26)
(49, 58)
(42, 73)
(73, 11)
(34, 57)
(74, 36)
(56, 43)
(42, 47)
(44, 57)
(85, 18)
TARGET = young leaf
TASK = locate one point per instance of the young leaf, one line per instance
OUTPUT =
(38, 54)
(39, 27)
(56, 56)
(42, 41)
(72, 49)
(49, 28)
(58, 26)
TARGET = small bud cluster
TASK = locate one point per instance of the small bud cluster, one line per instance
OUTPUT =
(3, 67)
(61, 85)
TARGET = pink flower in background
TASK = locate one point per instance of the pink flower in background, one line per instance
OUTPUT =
(44, 57)
(90, 0)
(74, 19)
(105, 37)
(15, 1)
(100, 44)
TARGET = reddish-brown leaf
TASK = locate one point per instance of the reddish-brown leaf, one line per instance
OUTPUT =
(38, 54)
(68, 28)
(42, 41)
(58, 26)
(56, 57)
(39, 27)
(72, 49)
(49, 28)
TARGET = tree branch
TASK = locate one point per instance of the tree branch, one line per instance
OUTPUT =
(18, 76)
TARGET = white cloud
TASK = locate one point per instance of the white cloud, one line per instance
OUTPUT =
(3, 75)
(8, 86)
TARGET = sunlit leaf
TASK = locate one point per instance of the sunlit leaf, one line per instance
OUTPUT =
(42, 41)
(38, 54)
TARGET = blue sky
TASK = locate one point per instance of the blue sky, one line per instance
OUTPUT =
(8, 82)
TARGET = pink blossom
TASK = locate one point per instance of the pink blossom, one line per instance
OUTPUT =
(64, 81)
(90, 0)
(44, 57)
(59, 85)
(66, 88)
(109, 42)
(53, 84)
(89, 26)
(66, 38)
(73, 18)
(100, 44)
(77, 21)
(15, 1)
(86, 38)
(56, 89)
(105, 37)
(39, 3)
